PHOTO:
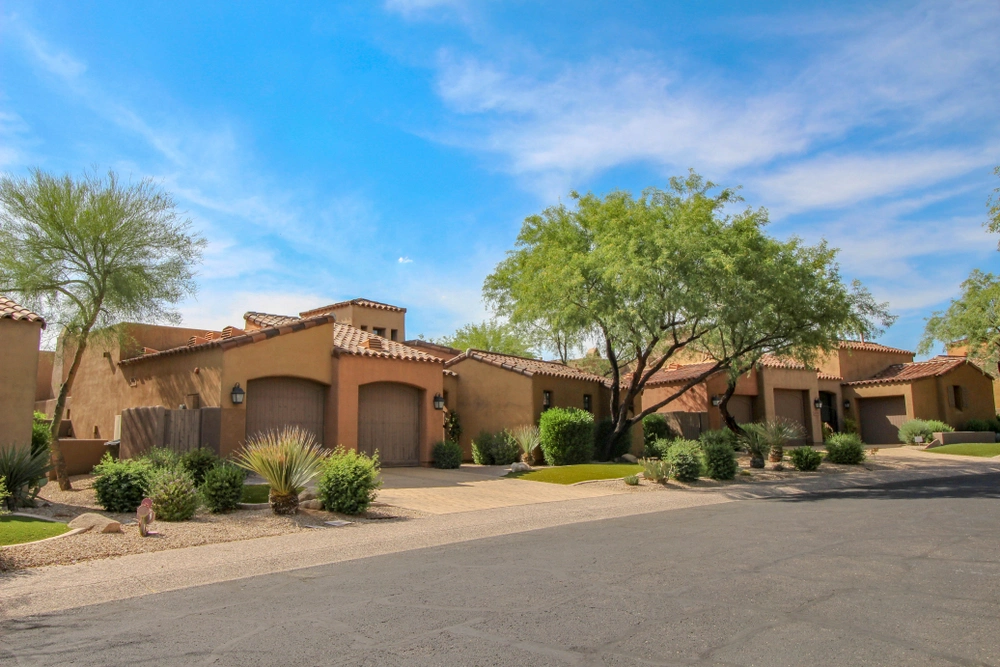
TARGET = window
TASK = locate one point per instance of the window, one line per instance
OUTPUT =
(956, 397)
(379, 331)
(394, 335)
(445, 394)
(587, 400)
(546, 400)
(364, 327)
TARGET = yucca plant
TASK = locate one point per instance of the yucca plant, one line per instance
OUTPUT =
(287, 460)
(779, 432)
(23, 473)
(756, 443)
(528, 439)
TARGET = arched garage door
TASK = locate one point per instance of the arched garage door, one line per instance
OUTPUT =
(389, 421)
(273, 403)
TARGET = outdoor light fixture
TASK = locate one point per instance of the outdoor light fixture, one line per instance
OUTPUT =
(438, 402)
(847, 404)
(237, 394)
(716, 401)
(818, 404)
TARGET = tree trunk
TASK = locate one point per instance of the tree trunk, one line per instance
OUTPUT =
(729, 420)
(58, 460)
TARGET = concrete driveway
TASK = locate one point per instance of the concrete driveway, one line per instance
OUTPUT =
(472, 488)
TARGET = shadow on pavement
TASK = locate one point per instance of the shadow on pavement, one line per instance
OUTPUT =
(965, 486)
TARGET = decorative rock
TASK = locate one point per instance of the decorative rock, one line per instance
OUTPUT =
(520, 467)
(628, 458)
(312, 504)
(96, 523)
(306, 495)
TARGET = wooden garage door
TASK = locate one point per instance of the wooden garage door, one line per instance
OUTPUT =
(790, 404)
(273, 403)
(881, 419)
(741, 408)
(389, 421)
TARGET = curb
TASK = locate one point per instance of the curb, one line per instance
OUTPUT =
(74, 531)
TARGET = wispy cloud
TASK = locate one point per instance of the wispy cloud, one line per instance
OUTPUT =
(405, 260)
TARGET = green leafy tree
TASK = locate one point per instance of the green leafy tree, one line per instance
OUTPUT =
(993, 224)
(490, 336)
(973, 318)
(92, 253)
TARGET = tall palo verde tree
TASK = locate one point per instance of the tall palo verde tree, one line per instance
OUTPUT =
(92, 253)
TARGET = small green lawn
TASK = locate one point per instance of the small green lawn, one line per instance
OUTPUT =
(20, 529)
(583, 472)
(969, 449)
(255, 493)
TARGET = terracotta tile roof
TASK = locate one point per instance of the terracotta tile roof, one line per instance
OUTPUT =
(9, 310)
(526, 366)
(678, 373)
(269, 320)
(442, 351)
(367, 303)
(348, 340)
(870, 347)
(827, 376)
(917, 370)
(450, 373)
(773, 361)
(236, 341)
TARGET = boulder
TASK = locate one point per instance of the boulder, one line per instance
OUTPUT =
(96, 523)
(628, 458)
(311, 504)
(520, 467)
(307, 495)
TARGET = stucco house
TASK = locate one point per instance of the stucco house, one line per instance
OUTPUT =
(20, 334)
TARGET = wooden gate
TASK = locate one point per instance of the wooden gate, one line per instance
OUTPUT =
(274, 403)
(389, 421)
(179, 430)
(881, 419)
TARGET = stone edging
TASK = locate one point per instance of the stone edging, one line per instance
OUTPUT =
(74, 531)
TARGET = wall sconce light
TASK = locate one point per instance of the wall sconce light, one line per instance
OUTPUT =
(818, 404)
(237, 394)
(847, 404)
(438, 402)
(716, 401)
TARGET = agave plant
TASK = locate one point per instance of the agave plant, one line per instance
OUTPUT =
(23, 473)
(287, 460)
(528, 439)
(756, 443)
(778, 433)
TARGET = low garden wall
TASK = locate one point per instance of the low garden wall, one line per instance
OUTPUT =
(957, 437)
(81, 455)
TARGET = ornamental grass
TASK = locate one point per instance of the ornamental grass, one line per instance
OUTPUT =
(288, 460)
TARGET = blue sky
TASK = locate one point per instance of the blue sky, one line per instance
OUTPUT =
(391, 150)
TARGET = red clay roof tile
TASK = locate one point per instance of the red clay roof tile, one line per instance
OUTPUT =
(526, 366)
(917, 370)
(678, 373)
(268, 320)
(870, 347)
(10, 310)
(349, 340)
(366, 303)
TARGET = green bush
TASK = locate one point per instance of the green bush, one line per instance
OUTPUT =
(452, 426)
(23, 473)
(632, 480)
(657, 449)
(41, 433)
(655, 470)
(720, 459)
(602, 432)
(495, 449)
(982, 425)
(198, 462)
(447, 454)
(222, 487)
(909, 431)
(349, 481)
(805, 458)
(161, 458)
(121, 485)
(4, 495)
(174, 495)
(722, 436)
(567, 436)
(845, 448)
(655, 427)
(685, 460)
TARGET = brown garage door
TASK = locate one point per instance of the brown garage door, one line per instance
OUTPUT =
(389, 422)
(790, 404)
(741, 408)
(881, 419)
(273, 403)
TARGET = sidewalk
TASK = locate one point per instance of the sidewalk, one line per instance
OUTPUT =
(48, 589)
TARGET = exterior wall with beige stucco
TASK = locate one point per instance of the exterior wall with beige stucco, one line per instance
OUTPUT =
(567, 393)
(854, 365)
(18, 375)
(699, 397)
(43, 384)
(770, 379)
(490, 399)
(370, 318)
(977, 389)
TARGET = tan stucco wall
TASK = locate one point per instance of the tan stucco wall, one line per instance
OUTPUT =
(18, 376)
(978, 391)
(360, 316)
(354, 371)
(43, 384)
(770, 379)
(567, 393)
(490, 399)
(854, 365)
(699, 397)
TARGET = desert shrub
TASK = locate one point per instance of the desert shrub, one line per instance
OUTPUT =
(655, 427)
(174, 495)
(756, 443)
(720, 459)
(981, 425)
(121, 485)
(41, 433)
(222, 487)
(447, 454)
(452, 427)
(805, 458)
(602, 432)
(495, 449)
(632, 480)
(685, 460)
(528, 439)
(287, 460)
(161, 458)
(23, 473)
(349, 481)
(851, 426)
(845, 448)
(779, 432)
(722, 436)
(657, 449)
(4, 495)
(567, 436)
(926, 429)
(198, 462)
(655, 470)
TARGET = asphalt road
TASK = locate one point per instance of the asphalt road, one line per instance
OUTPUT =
(898, 575)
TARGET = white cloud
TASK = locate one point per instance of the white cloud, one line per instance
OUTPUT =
(410, 8)
(56, 62)
(405, 260)
(216, 307)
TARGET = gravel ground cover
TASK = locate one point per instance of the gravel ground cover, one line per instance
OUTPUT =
(204, 528)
